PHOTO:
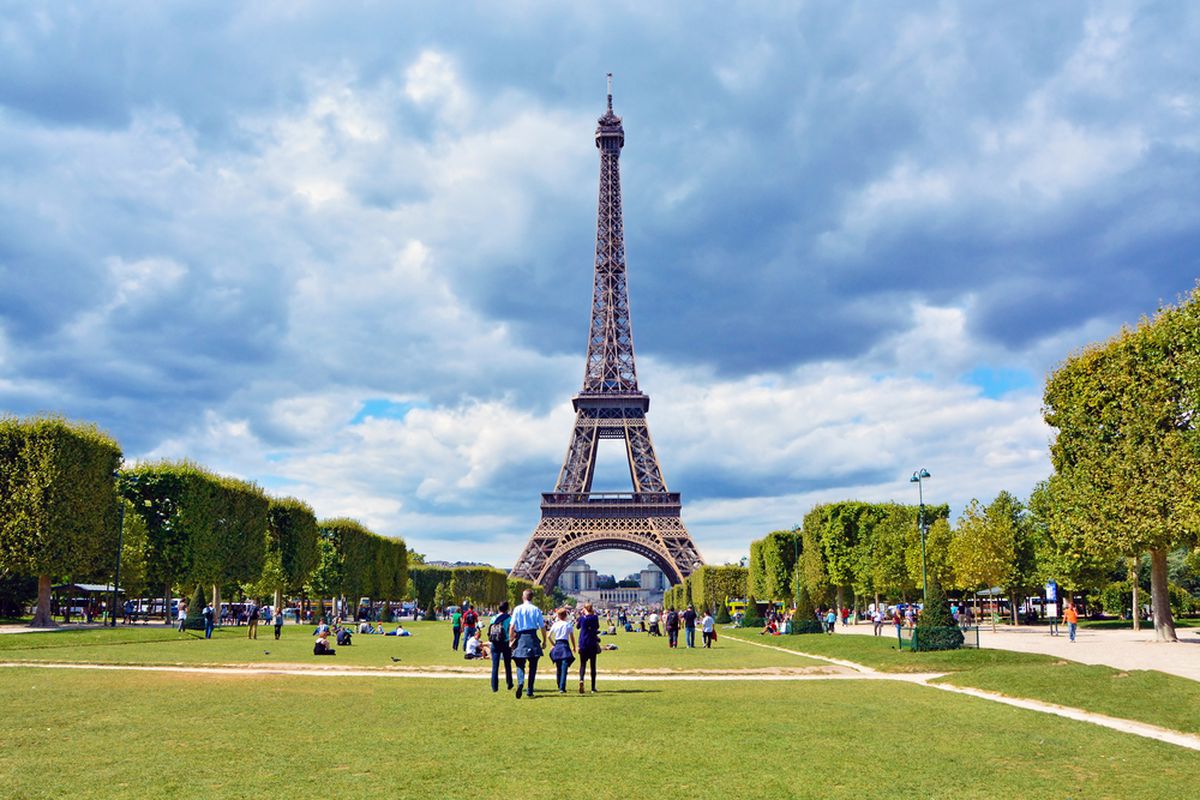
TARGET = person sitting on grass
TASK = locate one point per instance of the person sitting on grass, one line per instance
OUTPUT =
(476, 648)
(321, 628)
(400, 631)
(321, 647)
(343, 637)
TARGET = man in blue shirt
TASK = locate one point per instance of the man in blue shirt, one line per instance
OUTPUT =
(527, 625)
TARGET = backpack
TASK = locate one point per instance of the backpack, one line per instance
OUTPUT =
(470, 619)
(672, 620)
(496, 631)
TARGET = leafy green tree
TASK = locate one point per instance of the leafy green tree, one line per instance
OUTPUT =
(291, 544)
(1126, 456)
(58, 502)
(773, 563)
(994, 547)
(326, 579)
(133, 553)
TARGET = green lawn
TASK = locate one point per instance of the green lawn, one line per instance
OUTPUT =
(882, 654)
(94, 734)
(429, 646)
(1144, 695)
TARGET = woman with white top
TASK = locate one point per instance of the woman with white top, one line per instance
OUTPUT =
(562, 633)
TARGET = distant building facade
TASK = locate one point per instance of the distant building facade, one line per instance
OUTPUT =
(578, 577)
(652, 583)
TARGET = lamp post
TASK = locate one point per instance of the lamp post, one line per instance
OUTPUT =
(918, 477)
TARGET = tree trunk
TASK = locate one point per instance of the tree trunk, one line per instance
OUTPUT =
(278, 601)
(841, 598)
(1160, 598)
(1014, 606)
(41, 614)
(1133, 582)
(216, 603)
(167, 604)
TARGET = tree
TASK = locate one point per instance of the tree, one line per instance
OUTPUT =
(772, 564)
(194, 621)
(985, 546)
(133, 553)
(1126, 455)
(58, 502)
(751, 618)
(291, 543)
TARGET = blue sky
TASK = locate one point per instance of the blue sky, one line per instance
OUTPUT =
(347, 252)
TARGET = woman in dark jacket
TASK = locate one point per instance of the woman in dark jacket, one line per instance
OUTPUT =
(589, 643)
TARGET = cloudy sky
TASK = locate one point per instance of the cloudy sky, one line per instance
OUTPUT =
(347, 253)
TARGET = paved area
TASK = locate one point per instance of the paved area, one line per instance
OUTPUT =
(1114, 648)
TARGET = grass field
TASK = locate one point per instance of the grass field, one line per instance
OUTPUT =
(1143, 695)
(95, 734)
(429, 646)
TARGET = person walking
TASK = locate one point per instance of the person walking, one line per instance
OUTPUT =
(278, 622)
(181, 614)
(252, 616)
(689, 626)
(708, 628)
(562, 633)
(470, 622)
(1071, 617)
(456, 626)
(672, 628)
(589, 643)
(527, 624)
(830, 620)
(498, 632)
(207, 614)
(877, 619)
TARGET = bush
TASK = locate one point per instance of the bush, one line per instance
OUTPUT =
(723, 617)
(751, 618)
(430, 614)
(194, 621)
(806, 625)
(937, 637)
(936, 613)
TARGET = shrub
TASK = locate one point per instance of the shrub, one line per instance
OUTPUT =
(937, 637)
(810, 624)
(723, 617)
(751, 618)
(194, 621)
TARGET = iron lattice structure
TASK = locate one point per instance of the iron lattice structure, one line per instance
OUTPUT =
(575, 520)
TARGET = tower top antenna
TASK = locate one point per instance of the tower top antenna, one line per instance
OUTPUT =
(610, 91)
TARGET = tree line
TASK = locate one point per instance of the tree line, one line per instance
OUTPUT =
(66, 502)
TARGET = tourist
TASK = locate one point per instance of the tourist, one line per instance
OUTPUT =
(897, 620)
(470, 621)
(909, 616)
(689, 626)
(672, 623)
(456, 626)
(845, 616)
(128, 609)
(708, 628)
(252, 617)
(475, 648)
(321, 646)
(1071, 617)
(207, 615)
(527, 625)
(589, 643)
(322, 627)
(181, 610)
(652, 621)
(830, 620)
(877, 618)
(278, 623)
(400, 631)
(498, 633)
(562, 633)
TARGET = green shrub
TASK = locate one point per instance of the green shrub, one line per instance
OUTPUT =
(723, 617)
(936, 613)
(808, 624)
(194, 621)
(937, 637)
(751, 618)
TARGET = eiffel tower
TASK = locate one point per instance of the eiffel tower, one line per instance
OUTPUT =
(575, 520)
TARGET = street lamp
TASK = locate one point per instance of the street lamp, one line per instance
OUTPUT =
(918, 477)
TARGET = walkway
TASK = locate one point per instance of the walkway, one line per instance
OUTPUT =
(1124, 650)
